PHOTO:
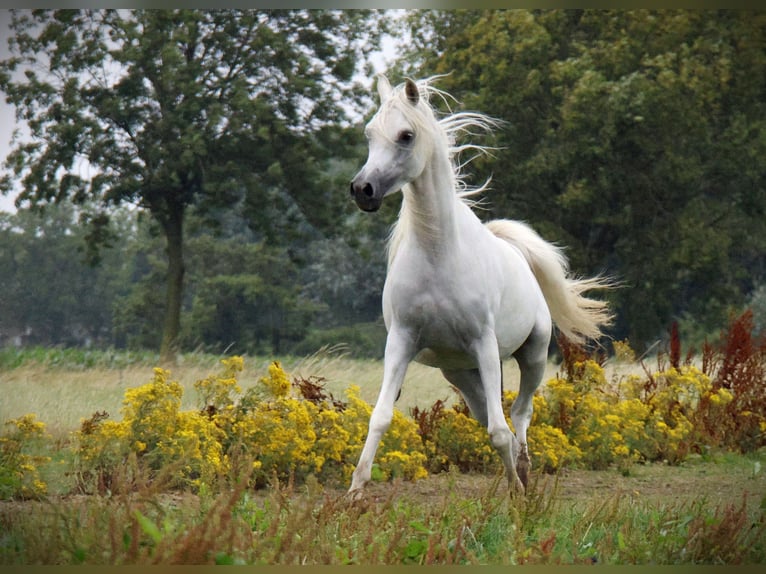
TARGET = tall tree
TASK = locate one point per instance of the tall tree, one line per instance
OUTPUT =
(634, 138)
(173, 109)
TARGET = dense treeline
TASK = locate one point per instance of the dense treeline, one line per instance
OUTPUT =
(243, 294)
(634, 138)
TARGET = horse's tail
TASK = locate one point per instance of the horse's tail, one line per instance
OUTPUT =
(576, 316)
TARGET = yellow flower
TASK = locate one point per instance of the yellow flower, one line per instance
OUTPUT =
(277, 382)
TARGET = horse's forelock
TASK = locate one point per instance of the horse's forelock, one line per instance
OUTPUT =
(450, 128)
(420, 116)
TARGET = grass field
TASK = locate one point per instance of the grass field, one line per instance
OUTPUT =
(709, 509)
(62, 387)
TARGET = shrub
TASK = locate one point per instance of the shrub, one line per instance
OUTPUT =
(155, 432)
(294, 429)
(19, 473)
(550, 449)
(288, 430)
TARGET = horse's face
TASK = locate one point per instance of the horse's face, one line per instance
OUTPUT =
(394, 158)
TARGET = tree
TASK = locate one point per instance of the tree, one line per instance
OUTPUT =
(633, 138)
(44, 274)
(172, 109)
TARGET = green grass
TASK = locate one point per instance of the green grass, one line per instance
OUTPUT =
(465, 519)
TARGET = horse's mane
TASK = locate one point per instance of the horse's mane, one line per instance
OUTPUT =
(453, 128)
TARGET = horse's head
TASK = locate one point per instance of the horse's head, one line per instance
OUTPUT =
(396, 153)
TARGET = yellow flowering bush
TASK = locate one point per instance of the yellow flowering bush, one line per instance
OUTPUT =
(549, 448)
(215, 393)
(583, 419)
(285, 430)
(156, 432)
(459, 440)
(400, 453)
(102, 446)
(19, 473)
(681, 403)
(291, 428)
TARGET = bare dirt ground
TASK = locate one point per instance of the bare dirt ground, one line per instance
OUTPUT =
(718, 480)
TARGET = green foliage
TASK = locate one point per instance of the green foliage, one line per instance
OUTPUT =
(181, 109)
(43, 276)
(246, 295)
(660, 187)
(633, 137)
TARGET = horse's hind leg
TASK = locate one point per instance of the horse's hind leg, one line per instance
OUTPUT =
(532, 357)
(469, 384)
(471, 388)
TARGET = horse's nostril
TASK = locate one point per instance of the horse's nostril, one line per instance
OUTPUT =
(367, 190)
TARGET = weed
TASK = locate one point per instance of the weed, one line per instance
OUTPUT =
(19, 473)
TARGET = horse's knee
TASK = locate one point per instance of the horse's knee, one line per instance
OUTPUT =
(501, 438)
(380, 420)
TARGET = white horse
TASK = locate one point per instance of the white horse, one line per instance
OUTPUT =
(460, 295)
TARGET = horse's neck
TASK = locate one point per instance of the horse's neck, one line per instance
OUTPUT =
(429, 209)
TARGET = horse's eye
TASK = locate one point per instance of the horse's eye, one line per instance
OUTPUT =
(406, 137)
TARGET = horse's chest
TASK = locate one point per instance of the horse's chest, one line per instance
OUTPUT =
(443, 309)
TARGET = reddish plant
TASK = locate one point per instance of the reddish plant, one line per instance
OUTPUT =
(675, 346)
(738, 364)
(312, 389)
(574, 355)
(428, 419)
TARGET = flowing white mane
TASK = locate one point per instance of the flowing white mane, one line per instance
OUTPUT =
(450, 131)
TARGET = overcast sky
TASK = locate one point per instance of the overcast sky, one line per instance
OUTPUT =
(7, 119)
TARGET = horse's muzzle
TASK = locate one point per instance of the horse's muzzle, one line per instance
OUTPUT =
(365, 195)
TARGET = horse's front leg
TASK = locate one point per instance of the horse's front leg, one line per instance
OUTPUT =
(400, 350)
(500, 435)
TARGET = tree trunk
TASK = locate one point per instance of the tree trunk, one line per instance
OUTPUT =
(173, 226)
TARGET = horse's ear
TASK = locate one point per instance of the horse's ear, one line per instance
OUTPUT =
(384, 87)
(412, 92)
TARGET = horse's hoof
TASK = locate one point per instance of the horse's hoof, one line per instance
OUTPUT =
(523, 472)
(355, 494)
(516, 487)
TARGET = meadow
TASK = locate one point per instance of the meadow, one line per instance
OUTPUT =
(62, 386)
(706, 507)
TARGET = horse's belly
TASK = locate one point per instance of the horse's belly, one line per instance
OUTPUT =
(447, 359)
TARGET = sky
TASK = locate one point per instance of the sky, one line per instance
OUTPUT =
(7, 121)
(7, 118)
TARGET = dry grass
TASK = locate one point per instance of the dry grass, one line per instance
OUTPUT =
(61, 396)
(581, 518)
